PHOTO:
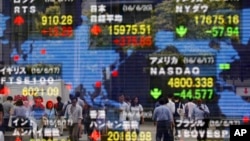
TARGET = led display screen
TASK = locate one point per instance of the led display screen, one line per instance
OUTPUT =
(109, 51)
(120, 25)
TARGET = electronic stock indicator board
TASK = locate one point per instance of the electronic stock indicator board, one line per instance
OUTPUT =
(43, 19)
(119, 25)
(206, 19)
(184, 76)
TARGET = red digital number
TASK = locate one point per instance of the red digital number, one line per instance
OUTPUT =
(134, 41)
(56, 31)
(51, 31)
(67, 31)
(20, 97)
(145, 41)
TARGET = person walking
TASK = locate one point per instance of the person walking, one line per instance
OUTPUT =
(74, 113)
(8, 107)
(87, 119)
(19, 114)
(80, 102)
(163, 119)
(189, 106)
(67, 103)
(199, 114)
(49, 115)
(188, 109)
(171, 105)
(136, 113)
(59, 113)
(19, 109)
(178, 115)
(123, 109)
(1, 118)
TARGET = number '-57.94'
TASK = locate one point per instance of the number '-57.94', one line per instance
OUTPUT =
(220, 31)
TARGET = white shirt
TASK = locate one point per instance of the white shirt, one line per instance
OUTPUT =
(190, 106)
(198, 114)
(171, 105)
(135, 112)
(124, 110)
(80, 102)
(74, 113)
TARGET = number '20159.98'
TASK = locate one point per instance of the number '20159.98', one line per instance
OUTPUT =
(129, 136)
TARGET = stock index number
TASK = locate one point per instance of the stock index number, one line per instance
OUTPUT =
(38, 91)
(217, 19)
(56, 20)
(196, 94)
(191, 82)
(129, 136)
(221, 31)
(130, 29)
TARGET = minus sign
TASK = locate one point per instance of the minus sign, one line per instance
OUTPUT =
(176, 94)
(208, 31)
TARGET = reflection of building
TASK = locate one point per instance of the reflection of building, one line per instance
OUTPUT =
(242, 87)
(1, 47)
(1, 52)
(222, 86)
(1, 6)
(86, 6)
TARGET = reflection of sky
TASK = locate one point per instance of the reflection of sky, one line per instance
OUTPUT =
(2, 24)
(245, 23)
(188, 48)
(233, 105)
(230, 103)
(80, 65)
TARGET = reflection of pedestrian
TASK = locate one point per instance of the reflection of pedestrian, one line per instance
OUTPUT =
(20, 109)
(37, 110)
(59, 113)
(128, 100)
(179, 113)
(65, 105)
(189, 106)
(81, 103)
(28, 108)
(87, 120)
(74, 113)
(163, 118)
(171, 105)
(8, 108)
(199, 113)
(49, 114)
(19, 112)
(136, 112)
(1, 118)
(123, 108)
(38, 107)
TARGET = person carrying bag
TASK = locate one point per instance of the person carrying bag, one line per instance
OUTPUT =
(200, 114)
